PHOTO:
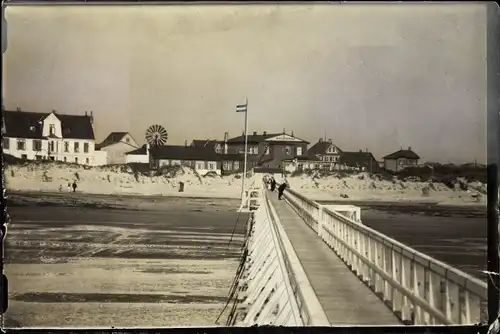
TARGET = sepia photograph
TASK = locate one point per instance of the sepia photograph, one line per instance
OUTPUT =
(315, 164)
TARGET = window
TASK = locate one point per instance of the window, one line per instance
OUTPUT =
(37, 145)
(77, 147)
(127, 140)
(236, 165)
(76, 160)
(225, 165)
(21, 145)
(288, 150)
(212, 166)
(6, 143)
(253, 149)
(200, 165)
(299, 150)
(64, 159)
(87, 161)
(51, 146)
(86, 147)
(52, 129)
(66, 146)
(267, 150)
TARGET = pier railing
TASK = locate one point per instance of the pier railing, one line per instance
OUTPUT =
(274, 289)
(418, 288)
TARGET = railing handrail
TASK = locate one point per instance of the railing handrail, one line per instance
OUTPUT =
(309, 318)
(476, 286)
(416, 255)
(283, 253)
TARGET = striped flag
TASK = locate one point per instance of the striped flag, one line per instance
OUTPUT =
(241, 107)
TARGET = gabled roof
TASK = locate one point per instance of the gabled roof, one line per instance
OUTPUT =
(308, 157)
(184, 153)
(24, 124)
(403, 154)
(321, 147)
(143, 150)
(259, 138)
(357, 159)
(208, 143)
(112, 138)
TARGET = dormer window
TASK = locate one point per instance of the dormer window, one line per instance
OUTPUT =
(32, 128)
(52, 129)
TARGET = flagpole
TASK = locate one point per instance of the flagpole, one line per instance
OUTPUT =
(246, 149)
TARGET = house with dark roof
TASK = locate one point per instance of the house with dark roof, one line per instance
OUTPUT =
(400, 160)
(327, 154)
(201, 159)
(360, 161)
(139, 155)
(215, 145)
(116, 144)
(324, 155)
(49, 136)
(269, 150)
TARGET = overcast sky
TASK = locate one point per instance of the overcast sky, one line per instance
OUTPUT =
(369, 76)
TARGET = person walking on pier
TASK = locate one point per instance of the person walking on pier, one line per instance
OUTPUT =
(273, 184)
(281, 189)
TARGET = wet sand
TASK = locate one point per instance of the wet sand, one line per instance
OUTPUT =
(119, 261)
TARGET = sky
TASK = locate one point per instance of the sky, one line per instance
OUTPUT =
(376, 77)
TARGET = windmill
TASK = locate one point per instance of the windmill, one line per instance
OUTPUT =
(156, 135)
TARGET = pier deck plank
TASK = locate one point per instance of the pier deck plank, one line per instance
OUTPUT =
(346, 300)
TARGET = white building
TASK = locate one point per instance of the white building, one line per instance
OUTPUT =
(49, 136)
(140, 155)
(116, 145)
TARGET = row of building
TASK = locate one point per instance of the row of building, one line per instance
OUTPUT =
(70, 138)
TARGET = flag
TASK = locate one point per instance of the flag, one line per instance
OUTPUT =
(241, 107)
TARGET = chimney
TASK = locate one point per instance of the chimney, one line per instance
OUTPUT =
(264, 133)
(330, 140)
(91, 117)
(360, 151)
(321, 140)
(366, 150)
(18, 109)
(185, 143)
(226, 135)
(292, 134)
(409, 148)
(54, 111)
(85, 112)
(255, 133)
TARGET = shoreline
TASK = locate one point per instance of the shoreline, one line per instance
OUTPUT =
(113, 195)
(357, 202)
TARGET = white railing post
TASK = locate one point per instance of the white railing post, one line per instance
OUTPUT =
(420, 289)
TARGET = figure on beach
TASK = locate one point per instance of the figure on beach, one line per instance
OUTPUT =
(74, 186)
(69, 186)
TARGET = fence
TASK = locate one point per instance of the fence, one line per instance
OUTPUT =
(274, 289)
(418, 288)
